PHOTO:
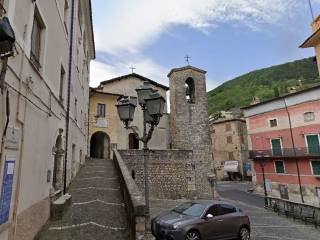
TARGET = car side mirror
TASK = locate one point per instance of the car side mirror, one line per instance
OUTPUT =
(208, 216)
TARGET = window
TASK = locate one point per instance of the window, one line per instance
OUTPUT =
(279, 166)
(227, 209)
(62, 81)
(315, 165)
(230, 155)
(229, 139)
(276, 146)
(66, 15)
(36, 39)
(313, 144)
(190, 91)
(228, 127)
(273, 122)
(309, 116)
(101, 110)
(214, 210)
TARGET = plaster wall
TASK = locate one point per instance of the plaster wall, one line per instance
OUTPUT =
(37, 113)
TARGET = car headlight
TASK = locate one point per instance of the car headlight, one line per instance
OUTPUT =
(174, 227)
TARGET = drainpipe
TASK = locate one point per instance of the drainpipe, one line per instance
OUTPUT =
(68, 100)
(294, 150)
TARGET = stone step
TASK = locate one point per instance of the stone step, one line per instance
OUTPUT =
(107, 195)
(100, 213)
(87, 232)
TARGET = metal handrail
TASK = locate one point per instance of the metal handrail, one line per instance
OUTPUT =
(302, 211)
(285, 152)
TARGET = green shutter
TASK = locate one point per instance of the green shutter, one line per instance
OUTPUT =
(313, 144)
(279, 166)
(276, 147)
(315, 167)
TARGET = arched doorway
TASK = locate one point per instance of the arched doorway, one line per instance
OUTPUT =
(133, 141)
(100, 145)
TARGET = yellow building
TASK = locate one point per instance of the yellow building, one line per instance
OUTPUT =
(106, 131)
(314, 40)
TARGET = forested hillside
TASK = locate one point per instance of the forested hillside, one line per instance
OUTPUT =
(265, 83)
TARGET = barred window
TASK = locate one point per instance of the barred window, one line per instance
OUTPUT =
(273, 122)
(101, 110)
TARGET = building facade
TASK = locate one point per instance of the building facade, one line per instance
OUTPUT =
(284, 137)
(230, 148)
(35, 97)
(105, 128)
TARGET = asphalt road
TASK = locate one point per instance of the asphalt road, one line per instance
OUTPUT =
(265, 224)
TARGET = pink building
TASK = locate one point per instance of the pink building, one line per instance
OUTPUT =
(284, 139)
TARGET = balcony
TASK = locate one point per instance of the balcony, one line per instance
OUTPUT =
(286, 152)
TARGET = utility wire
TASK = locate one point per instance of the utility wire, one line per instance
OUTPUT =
(311, 10)
(34, 104)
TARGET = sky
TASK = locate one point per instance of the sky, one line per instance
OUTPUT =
(227, 38)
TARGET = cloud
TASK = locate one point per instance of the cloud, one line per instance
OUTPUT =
(133, 24)
(144, 66)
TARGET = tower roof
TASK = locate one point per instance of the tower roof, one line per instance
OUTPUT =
(186, 68)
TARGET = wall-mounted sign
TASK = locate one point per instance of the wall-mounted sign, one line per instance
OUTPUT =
(12, 139)
(6, 192)
(101, 122)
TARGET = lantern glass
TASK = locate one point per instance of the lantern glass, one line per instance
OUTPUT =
(143, 92)
(126, 110)
(155, 104)
(147, 117)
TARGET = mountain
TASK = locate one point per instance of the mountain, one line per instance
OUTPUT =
(265, 83)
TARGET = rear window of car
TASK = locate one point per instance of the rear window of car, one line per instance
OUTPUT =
(190, 209)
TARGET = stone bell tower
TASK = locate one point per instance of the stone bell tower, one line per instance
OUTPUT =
(189, 122)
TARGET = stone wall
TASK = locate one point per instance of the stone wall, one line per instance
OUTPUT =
(171, 172)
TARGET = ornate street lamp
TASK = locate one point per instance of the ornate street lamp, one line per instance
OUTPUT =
(152, 105)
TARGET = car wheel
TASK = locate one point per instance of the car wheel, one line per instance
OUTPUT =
(244, 233)
(193, 235)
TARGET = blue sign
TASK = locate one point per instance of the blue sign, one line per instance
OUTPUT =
(6, 193)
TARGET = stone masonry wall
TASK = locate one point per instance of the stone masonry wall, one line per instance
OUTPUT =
(189, 123)
(171, 172)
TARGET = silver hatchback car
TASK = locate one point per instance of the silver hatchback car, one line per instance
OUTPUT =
(202, 220)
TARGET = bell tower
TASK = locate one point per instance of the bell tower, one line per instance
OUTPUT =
(189, 122)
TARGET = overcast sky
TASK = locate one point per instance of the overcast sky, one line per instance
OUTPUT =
(225, 37)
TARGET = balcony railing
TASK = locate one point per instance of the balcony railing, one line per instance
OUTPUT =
(285, 152)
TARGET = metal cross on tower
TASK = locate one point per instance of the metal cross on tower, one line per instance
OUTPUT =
(132, 68)
(187, 57)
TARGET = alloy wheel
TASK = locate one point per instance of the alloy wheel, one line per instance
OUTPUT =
(193, 235)
(244, 234)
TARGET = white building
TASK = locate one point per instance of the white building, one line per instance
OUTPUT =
(36, 83)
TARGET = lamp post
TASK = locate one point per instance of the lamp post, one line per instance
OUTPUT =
(152, 105)
(262, 165)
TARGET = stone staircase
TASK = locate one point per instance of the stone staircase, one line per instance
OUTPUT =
(97, 211)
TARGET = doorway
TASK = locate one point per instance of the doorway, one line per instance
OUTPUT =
(100, 145)
(133, 141)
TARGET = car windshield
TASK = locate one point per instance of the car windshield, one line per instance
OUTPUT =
(190, 209)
